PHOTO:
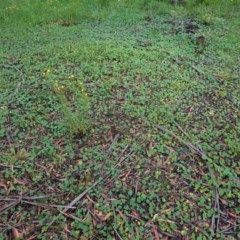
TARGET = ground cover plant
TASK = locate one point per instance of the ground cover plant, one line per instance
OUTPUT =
(119, 119)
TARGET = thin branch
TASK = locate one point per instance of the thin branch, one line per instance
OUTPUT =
(79, 197)
(186, 134)
(189, 145)
(226, 230)
(217, 214)
(13, 198)
(10, 205)
(181, 129)
(132, 216)
(115, 140)
(200, 71)
(47, 205)
(9, 166)
(118, 234)
(71, 216)
(40, 197)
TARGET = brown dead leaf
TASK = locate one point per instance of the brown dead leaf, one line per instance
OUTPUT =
(110, 135)
(234, 215)
(32, 237)
(122, 215)
(88, 197)
(94, 222)
(20, 181)
(66, 229)
(16, 234)
(155, 233)
(4, 186)
(224, 202)
(99, 214)
(134, 213)
(107, 216)
(102, 216)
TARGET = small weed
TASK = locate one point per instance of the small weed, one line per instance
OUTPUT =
(74, 104)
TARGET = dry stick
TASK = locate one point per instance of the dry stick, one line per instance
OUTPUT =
(186, 134)
(71, 216)
(20, 199)
(114, 215)
(13, 198)
(218, 209)
(109, 151)
(41, 197)
(7, 199)
(216, 217)
(10, 205)
(226, 230)
(123, 151)
(117, 234)
(73, 202)
(197, 69)
(9, 166)
(166, 233)
(46, 205)
(200, 71)
(86, 191)
(125, 158)
(113, 143)
(79, 197)
(181, 129)
(189, 145)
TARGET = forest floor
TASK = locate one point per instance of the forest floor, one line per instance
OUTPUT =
(126, 128)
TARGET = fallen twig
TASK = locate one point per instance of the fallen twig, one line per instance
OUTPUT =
(74, 201)
(197, 69)
(216, 214)
(13, 198)
(181, 129)
(226, 230)
(186, 134)
(79, 197)
(9, 166)
(109, 151)
(47, 205)
(117, 234)
(10, 205)
(71, 216)
(115, 140)
(189, 145)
